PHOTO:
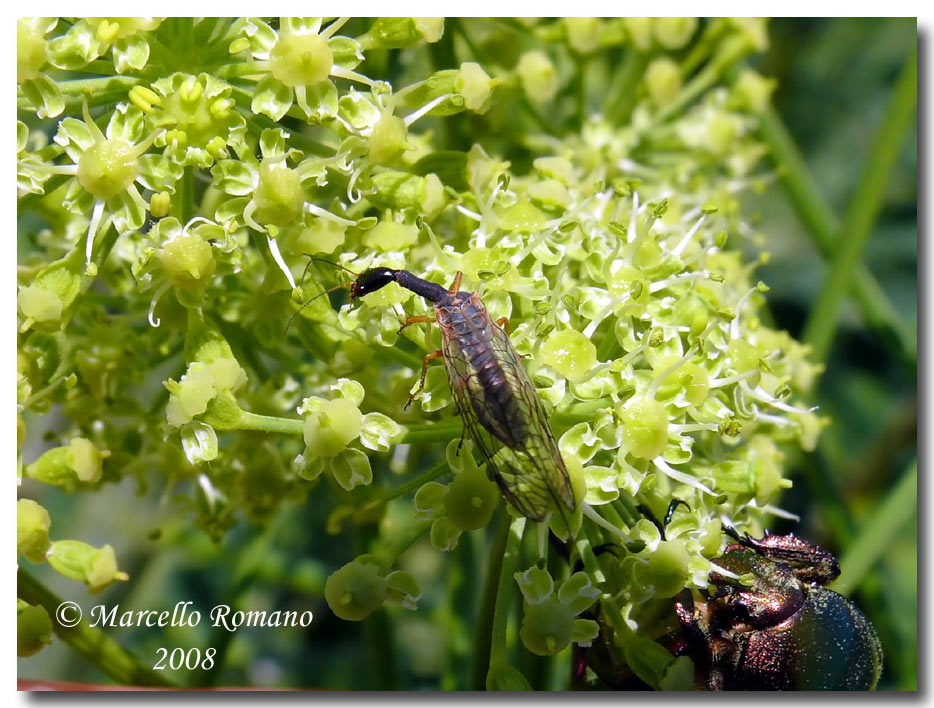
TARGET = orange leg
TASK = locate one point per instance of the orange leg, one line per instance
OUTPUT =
(456, 285)
(504, 323)
(421, 382)
(415, 319)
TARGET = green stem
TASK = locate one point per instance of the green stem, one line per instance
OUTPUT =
(439, 470)
(822, 224)
(271, 424)
(431, 432)
(505, 593)
(876, 536)
(864, 208)
(388, 552)
(621, 91)
(95, 87)
(483, 637)
(90, 642)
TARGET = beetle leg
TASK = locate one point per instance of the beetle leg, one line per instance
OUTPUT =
(671, 509)
(421, 382)
(415, 319)
(456, 285)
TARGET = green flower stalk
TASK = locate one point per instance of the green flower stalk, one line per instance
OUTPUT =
(609, 240)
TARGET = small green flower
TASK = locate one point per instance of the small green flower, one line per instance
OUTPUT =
(96, 567)
(297, 63)
(32, 55)
(79, 462)
(199, 118)
(106, 168)
(549, 621)
(272, 198)
(33, 628)
(32, 530)
(355, 590)
(92, 37)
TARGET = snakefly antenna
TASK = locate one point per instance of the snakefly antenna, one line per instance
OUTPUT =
(348, 285)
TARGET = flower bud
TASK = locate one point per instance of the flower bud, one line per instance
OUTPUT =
(583, 33)
(46, 300)
(475, 86)
(80, 561)
(640, 31)
(398, 32)
(401, 190)
(663, 81)
(33, 628)
(279, 197)
(753, 91)
(32, 530)
(538, 75)
(673, 32)
(387, 139)
(645, 427)
(77, 462)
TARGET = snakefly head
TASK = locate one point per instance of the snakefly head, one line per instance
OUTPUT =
(496, 399)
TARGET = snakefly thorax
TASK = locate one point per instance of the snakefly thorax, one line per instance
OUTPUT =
(473, 337)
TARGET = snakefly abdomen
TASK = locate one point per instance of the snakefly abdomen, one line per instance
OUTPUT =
(496, 399)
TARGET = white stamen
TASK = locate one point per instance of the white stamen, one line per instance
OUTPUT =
(325, 214)
(688, 236)
(600, 521)
(92, 230)
(154, 321)
(631, 235)
(469, 214)
(669, 471)
(427, 108)
(277, 257)
(760, 395)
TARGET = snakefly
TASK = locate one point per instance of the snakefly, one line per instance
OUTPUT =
(496, 399)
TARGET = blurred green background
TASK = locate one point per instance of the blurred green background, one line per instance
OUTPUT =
(855, 495)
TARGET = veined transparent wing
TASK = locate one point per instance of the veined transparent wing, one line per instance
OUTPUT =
(523, 460)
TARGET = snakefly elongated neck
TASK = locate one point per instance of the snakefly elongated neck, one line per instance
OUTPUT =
(496, 399)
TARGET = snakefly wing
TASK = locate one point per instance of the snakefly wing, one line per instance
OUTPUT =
(501, 409)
